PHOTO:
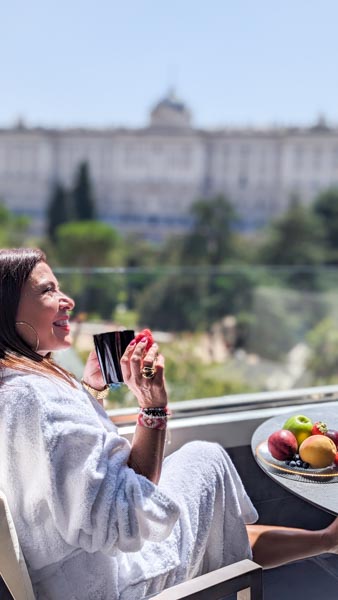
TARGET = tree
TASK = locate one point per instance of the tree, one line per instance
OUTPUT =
(13, 228)
(139, 254)
(323, 343)
(59, 210)
(172, 303)
(83, 244)
(210, 241)
(325, 208)
(82, 196)
(195, 298)
(296, 239)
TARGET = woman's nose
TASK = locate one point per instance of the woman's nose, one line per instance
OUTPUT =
(67, 302)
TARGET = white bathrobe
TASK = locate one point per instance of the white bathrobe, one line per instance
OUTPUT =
(89, 526)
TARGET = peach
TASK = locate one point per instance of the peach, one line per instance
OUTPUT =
(318, 450)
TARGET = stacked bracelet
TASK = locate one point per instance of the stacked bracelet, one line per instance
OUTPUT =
(153, 418)
(98, 394)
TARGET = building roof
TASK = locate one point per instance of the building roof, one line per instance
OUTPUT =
(170, 111)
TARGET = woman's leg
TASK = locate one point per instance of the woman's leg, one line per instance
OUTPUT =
(210, 532)
(273, 546)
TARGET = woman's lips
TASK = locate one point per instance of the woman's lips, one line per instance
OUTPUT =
(62, 324)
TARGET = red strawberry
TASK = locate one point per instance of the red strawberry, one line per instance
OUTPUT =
(147, 334)
(319, 428)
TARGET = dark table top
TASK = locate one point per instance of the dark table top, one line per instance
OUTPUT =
(321, 493)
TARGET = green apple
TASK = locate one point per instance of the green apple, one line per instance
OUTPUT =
(300, 426)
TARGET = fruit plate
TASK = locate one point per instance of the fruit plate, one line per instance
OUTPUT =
(263, 456)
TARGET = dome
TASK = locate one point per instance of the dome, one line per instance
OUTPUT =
(170, 112)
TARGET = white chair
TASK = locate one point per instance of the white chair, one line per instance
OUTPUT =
(244, 578)
(13, 568)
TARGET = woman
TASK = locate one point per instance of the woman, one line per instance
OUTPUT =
(95, 517)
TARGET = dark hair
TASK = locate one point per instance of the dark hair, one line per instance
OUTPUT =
(16, 264)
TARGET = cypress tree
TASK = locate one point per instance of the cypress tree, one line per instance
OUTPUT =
(58, 210)
(83, 202)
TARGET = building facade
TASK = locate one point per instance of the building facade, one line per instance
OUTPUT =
(146, 179)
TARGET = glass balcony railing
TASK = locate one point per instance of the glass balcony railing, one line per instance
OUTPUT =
(223, 331)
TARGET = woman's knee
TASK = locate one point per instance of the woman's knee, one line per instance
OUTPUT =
(203, 451)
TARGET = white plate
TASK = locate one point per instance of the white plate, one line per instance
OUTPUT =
(264, 457)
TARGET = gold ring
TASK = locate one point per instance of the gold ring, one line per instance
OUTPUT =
(148, 372)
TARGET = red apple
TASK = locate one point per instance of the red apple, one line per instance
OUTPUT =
(282, 444)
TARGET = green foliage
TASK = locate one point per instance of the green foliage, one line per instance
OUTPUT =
(190, 377)
(210, 241)
(82, 195)
(59, 210)
(96, 295)
(86, 243)
(13, 228)
(281, 318)
(296, 239)
(141, 257)
(171, 303)
(229, 293)
(80, 244)
(325, 208)
(272, 330)
(323, 360)
(76, 204)
(193, 300)
(125, 318)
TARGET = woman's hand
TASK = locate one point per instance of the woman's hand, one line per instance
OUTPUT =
(149, 392)
(92, 372)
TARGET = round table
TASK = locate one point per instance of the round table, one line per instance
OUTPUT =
(323, 494)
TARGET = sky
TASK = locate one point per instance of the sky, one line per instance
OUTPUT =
(104, 63)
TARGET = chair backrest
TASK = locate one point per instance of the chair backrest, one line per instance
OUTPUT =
(243, 578)
(13, 569)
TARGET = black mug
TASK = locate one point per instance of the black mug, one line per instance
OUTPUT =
(109, 349)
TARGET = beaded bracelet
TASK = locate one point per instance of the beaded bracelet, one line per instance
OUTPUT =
(153, 418)
(161, 411)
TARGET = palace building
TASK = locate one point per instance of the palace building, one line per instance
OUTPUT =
(146, 179)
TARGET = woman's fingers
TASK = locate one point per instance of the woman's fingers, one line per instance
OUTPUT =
(149, 391)
(150, 358)
(135, 358)
(159, 368)
(92, 363)
(125, 361)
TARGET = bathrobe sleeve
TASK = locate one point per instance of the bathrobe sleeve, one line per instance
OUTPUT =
(96, 501)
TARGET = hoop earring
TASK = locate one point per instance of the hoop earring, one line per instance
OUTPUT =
(32, 329)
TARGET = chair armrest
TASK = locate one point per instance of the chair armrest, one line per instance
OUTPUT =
(215, 585)
(13, 569)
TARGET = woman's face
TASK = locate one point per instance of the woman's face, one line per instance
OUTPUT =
(44, 308)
